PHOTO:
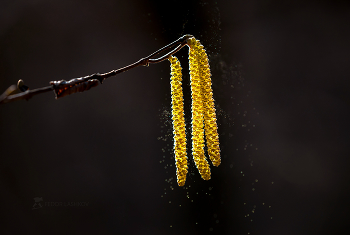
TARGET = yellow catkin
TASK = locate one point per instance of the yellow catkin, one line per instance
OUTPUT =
(198, 57)
(178, 121)
(211, 128)
(197, 110)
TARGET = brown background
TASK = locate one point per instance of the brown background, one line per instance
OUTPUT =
(280, 79)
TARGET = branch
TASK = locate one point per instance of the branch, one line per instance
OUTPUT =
(63, 88)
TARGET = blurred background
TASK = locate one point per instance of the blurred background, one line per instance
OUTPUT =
(101, 162)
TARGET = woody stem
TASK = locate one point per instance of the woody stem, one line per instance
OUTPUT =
(178, 44)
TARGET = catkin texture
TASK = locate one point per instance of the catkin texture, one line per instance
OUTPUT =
(178, 118)
(197, 111)
(210, 127)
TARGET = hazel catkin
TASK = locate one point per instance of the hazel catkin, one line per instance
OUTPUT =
(178, 119)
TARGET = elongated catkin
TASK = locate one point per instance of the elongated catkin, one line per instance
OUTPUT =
(211, 128)
(197, 110)
(198, 56)
(178, 121)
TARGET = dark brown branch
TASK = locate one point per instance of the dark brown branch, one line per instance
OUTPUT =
(63, 88)
(26, 94)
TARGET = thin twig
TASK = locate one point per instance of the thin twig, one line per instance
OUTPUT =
(63, 88)
(26, 94)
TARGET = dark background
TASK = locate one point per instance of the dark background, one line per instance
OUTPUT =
(280, 79)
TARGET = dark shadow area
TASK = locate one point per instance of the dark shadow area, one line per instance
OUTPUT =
(101, 162)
